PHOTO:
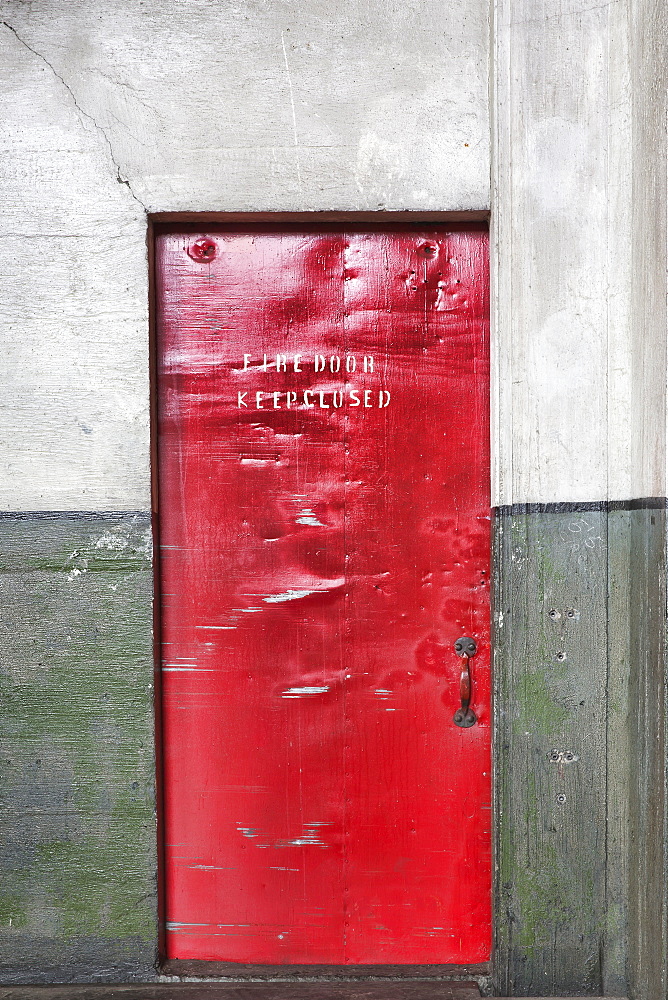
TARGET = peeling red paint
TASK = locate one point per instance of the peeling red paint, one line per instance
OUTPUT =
(318, 563)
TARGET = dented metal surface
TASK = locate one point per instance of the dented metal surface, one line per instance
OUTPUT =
(321, 552)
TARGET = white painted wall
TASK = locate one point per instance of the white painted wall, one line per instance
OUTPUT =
(113, 109)
(579, 194)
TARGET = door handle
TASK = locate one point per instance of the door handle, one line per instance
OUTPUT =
(466, 649)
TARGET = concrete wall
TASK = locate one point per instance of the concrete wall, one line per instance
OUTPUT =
(580, 222)
(114, 111)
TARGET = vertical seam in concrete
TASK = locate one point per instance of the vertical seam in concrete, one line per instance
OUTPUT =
(604, 930)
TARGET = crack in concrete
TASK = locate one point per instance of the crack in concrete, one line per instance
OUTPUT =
(84, 115)
(127, 86)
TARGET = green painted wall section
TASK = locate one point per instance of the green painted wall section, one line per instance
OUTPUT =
(78, 862)
(580, 764)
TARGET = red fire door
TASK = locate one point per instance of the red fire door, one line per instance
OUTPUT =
(324, 545)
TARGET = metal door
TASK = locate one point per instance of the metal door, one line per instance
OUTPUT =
(324, 542)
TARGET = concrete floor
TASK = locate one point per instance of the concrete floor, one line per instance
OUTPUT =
(414, 990)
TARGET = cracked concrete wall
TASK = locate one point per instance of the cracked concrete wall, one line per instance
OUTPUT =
(113, 110)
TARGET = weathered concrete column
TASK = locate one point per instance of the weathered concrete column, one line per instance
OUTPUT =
(579, 221)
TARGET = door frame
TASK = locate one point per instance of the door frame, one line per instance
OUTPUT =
(285, 221)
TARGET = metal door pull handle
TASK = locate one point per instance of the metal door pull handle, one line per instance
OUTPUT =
(464, 717)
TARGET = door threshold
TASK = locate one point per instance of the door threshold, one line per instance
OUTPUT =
(407, 990)
(199, 969)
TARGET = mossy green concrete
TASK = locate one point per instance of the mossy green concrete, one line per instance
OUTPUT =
(580, 710)
(550, 707)
(78, 769)
(538, 707)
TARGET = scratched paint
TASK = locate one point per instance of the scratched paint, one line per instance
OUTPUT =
(324, 522)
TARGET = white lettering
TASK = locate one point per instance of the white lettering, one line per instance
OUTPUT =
(312, 398)
(324, 399)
